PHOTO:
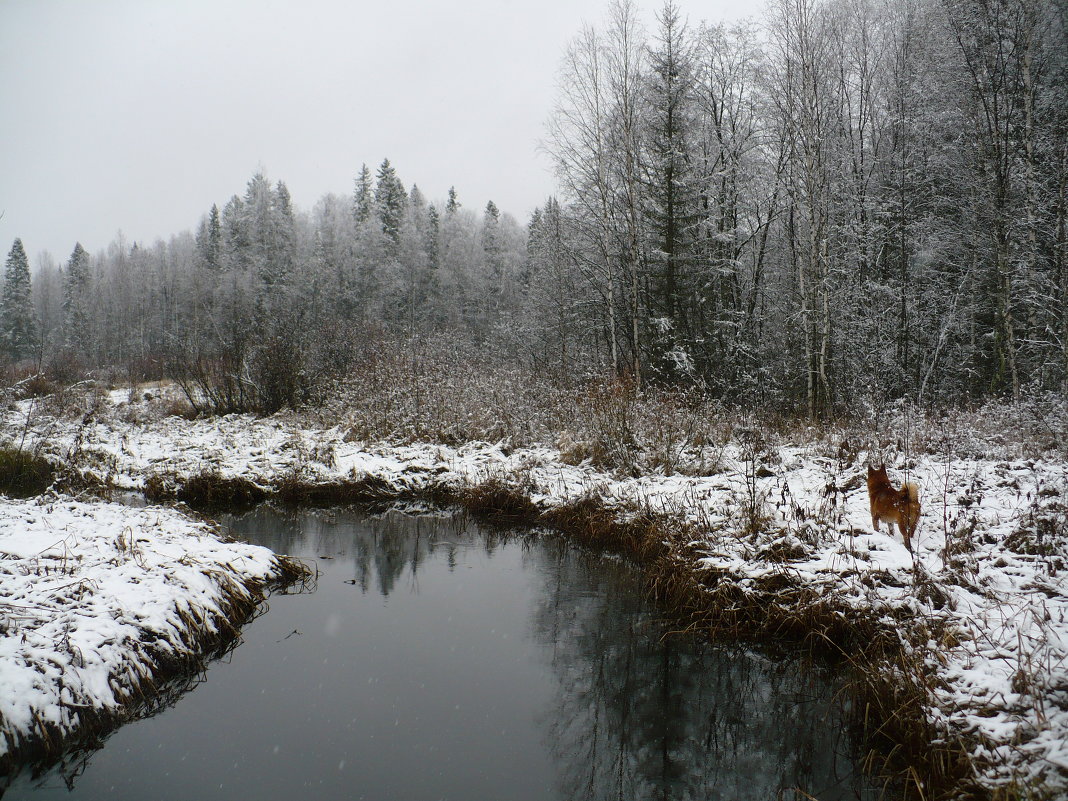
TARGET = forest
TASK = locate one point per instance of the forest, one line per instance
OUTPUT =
(842, 204)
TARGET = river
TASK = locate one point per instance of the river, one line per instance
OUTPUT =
(437, 659)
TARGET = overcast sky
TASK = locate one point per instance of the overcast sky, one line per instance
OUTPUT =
(138, 115)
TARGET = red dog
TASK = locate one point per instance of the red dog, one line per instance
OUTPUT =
(894, 506)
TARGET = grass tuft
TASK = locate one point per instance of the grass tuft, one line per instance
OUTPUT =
(205, 490)
(23, 474)
(501, 501)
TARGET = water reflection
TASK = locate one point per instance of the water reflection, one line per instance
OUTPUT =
(642, 713)
(638, 712)
(439, 660)
(385, 546)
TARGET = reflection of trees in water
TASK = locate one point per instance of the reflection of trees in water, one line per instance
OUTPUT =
(640, 716)
(390, 543)
(381, 546)
(636, 715)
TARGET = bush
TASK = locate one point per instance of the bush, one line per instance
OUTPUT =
(429, 390)
(262, 368)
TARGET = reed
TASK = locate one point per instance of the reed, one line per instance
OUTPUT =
(885, 661)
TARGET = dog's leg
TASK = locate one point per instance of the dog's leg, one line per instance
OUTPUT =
(914, 521)
(906, 531)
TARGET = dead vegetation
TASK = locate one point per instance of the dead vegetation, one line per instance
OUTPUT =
(205, 490)
(888, 659)
(497, 499)
(23, 474)
(888, 655)
(886, 652)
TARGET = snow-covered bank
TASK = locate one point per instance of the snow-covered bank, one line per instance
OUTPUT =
(981, 608)
(100, 602)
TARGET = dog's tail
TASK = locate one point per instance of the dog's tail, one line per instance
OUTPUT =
(912, 492)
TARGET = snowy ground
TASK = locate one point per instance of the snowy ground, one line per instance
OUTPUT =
(96, 597)
(990, 565)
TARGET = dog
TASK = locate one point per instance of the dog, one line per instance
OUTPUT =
(894, 506)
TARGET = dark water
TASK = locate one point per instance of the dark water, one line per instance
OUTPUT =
(436, 660)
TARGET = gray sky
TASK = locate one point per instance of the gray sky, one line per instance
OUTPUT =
(138, 115)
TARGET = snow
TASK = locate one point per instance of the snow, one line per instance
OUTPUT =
(988, 566)
(94, 595)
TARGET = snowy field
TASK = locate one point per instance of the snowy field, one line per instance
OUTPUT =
(989, 573)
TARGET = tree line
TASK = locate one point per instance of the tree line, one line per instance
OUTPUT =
(857, 199)
(847, 202)
(262, 302)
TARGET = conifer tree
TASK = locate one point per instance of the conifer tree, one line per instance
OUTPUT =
(209, 241)
(18, 327)
(235, 235)
(75, 297)
(552, 291)
(491, 222)
(491, 248)
(433, 237)
(671, 208)
(417, 201)
(363, 198)
(283, 233)
(390, 201)
(259, 224)
(453, 205)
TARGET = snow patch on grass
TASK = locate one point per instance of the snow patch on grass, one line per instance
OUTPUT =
(97, 597)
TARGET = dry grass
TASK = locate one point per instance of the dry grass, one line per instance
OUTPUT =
(205, 490)
(887, 663)
(425, 391)
(500, 501)
(437, 395)
(23, 474)
(295, 489)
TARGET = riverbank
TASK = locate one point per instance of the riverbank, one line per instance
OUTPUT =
(103, 604)
(960, 647)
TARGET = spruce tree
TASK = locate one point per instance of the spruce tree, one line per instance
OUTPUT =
(417, 201)
(75, 297)
(259, 222)
(453, 204)
(209, 241)
(672, 190)
(390, 201)
(18, 328)
(433, 237)
(491, 246)
(235, 236)
(283, 254)
(363, 197)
